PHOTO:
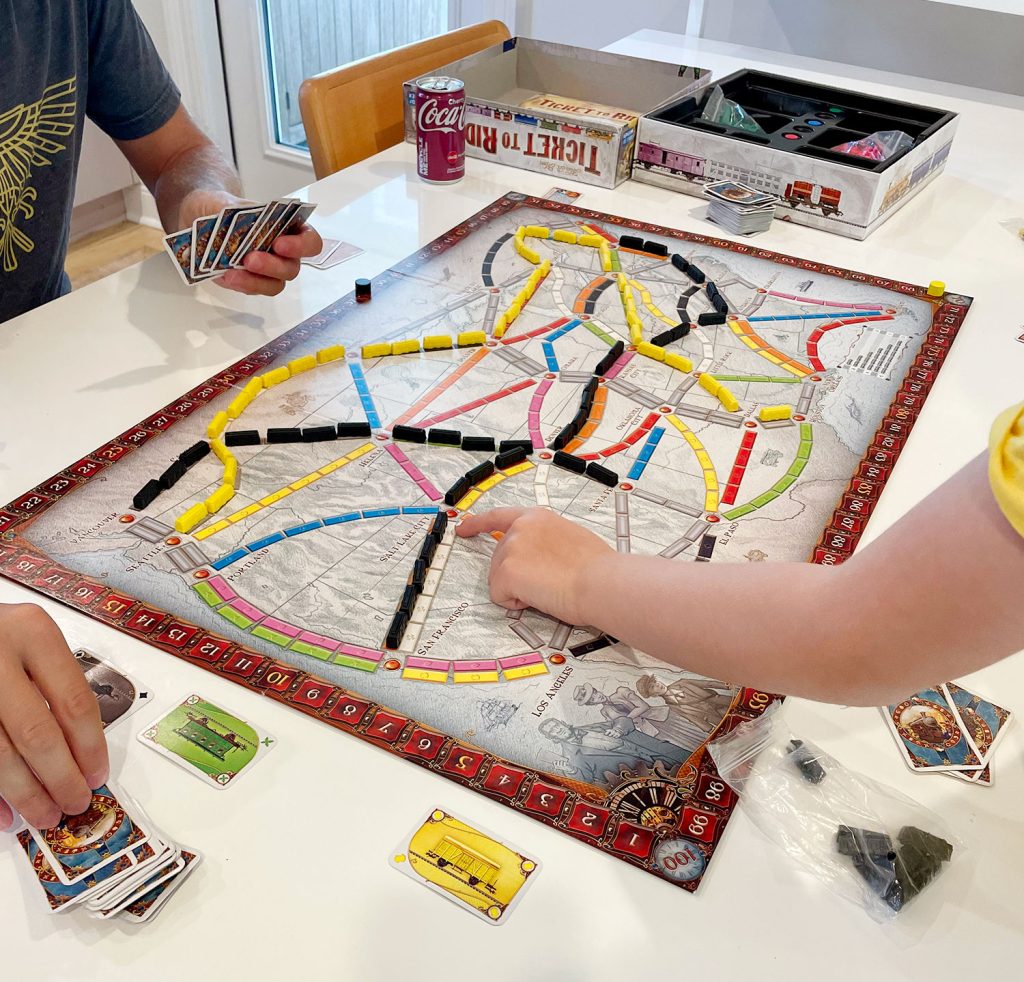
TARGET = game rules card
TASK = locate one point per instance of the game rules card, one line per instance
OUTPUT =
(471, 868)
(208, 741)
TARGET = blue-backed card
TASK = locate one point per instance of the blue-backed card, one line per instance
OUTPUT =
(293, 224)
(202, 232)
(930, 735)
(268, 225)
(114, 902)
(290, 223)
(60, 895)
(984, 720)
(238, 231)
(220, 231)
(80, 844)
(155, 899)
(179, 248)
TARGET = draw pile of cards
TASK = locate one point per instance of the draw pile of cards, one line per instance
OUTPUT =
(740, 209)
(950, 730)
(111, 859)
(217, 243)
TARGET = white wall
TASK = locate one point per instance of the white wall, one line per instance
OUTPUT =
(943, 41)
(595, 23)
(184, 32)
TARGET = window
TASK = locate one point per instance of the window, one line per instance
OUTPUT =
(305, 37)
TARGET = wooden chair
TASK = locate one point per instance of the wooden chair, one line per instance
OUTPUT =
(353, 112)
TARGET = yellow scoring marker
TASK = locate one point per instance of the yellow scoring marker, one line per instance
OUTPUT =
(936, 288)
(680, 362)
(217, 425)
(334, 352)
(466, 865)
(405, 347)
(435, 342)
(650, 351)
(304, 364)
(772, 414)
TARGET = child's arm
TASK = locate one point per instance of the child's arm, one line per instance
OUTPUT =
(52, 749)
(939, 595)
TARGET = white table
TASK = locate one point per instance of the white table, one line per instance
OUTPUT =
(296, 874)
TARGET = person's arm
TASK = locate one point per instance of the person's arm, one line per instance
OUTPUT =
(937, 596)
(52, 749)
(190, 178)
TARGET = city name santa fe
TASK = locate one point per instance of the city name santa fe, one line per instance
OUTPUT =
(545, 145)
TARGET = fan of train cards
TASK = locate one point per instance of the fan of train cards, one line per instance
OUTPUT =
(738, 208)
(111, 859)
(217, 243)
(950, 730)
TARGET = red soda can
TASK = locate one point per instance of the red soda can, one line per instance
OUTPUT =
(441, 129)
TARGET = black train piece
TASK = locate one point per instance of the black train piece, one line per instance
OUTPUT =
(242, 438)
(484, 443)
(602, 474)
(284, 434)
(411, 434)
(149, 492)
(569, 462)
(349, 430)
(510, 458)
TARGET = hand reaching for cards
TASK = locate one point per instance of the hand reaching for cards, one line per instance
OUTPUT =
(51, 756)
(542, 561)
(264, 273)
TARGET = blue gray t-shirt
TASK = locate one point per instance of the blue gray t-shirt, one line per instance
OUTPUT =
(63, 60)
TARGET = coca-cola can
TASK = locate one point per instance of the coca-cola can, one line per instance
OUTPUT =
(441, 129)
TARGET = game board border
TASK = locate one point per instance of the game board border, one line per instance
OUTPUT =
(578, 813)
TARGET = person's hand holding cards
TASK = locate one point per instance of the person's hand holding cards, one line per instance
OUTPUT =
(251, 248)
(52, 749)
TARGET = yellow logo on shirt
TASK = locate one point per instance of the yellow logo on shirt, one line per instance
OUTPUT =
(30, 136)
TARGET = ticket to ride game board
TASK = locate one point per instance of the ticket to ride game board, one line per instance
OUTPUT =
(289, 523)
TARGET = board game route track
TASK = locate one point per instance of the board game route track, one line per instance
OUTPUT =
(695, 799)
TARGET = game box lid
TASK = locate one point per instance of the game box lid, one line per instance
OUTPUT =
(505, 123)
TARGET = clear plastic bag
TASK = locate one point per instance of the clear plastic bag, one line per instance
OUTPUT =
(718, 109)
(878, 146)
(868, 843)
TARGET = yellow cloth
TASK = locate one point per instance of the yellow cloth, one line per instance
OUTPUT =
(1006, 464)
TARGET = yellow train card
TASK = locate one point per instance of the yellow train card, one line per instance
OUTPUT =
(468, 866)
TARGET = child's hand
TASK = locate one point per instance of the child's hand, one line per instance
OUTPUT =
(542, 561)
(52, 750)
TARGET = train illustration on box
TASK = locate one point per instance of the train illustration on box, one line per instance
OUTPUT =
(795, 194)
(904, 185)
(542, 122)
